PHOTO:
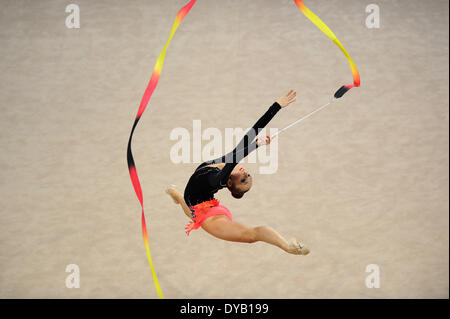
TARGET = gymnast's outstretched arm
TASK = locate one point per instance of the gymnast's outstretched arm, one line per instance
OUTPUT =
(248, 142)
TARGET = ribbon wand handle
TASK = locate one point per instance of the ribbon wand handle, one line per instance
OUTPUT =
(302, 118)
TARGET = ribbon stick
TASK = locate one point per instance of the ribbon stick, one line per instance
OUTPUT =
(301, 119)
(325, 29)
(154, 81)
(131, 165)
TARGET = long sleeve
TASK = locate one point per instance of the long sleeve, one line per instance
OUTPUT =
(232, 158)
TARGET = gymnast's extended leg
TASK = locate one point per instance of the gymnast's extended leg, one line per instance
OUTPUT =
(221, 227)
(178, 199)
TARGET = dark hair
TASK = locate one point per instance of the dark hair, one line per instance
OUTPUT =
(235, 192)
(237, 195)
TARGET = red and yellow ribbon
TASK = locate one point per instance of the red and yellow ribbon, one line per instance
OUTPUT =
(325, 29)
(145, 99)
(154, 81)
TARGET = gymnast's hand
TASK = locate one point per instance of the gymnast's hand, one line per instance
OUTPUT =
(263, 140)
(287, 99)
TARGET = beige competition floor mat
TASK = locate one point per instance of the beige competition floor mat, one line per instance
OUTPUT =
(364, 183)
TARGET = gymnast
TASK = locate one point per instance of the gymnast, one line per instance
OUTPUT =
(205, 211)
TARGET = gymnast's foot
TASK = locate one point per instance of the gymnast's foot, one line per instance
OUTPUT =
(176, 195)
(297, 248)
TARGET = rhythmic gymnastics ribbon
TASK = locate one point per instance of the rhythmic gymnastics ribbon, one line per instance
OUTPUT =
(325, 29)
(343, 89)
(145, 99)
(154, 81)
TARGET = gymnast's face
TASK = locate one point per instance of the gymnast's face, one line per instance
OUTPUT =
(241, 179)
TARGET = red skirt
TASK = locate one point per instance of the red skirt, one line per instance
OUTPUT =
(205, 210)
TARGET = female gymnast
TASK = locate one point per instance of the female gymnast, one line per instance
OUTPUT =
(204, 210)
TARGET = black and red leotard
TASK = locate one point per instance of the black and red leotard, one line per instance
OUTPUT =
(207, 180)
